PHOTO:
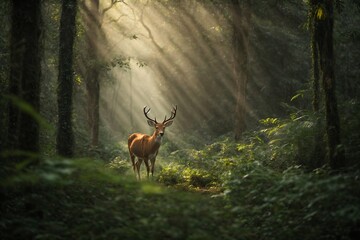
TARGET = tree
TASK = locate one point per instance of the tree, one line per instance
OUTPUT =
(318, 153)
(4, 68)
(240, 21)
(92, 66)
(323, 24)
(65, 135)
(92, 74)
(25, 69)
(94, 35)
(315, 59)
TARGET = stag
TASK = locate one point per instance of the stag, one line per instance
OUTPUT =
(145, 147)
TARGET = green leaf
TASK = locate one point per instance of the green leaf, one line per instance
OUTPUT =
(320, 13)
(310, 215)
(27, 108)
(301, 94)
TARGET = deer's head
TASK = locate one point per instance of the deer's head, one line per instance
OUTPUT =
(160, 126)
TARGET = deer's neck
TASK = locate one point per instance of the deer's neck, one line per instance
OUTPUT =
(156, 140)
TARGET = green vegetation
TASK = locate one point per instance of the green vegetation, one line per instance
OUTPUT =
(254, 189)
(263, 146)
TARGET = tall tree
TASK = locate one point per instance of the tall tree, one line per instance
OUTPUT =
(25, 69)
(65, 136)
(314, 58)
(323, 25)
(318, 153)
(91, 73)
(93, 17)
(241, 26)
(4, 69)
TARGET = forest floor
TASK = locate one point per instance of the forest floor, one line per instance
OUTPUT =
(87, 199)
(121, 209)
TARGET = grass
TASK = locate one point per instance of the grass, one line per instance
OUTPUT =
(257, 189)
(85, 199)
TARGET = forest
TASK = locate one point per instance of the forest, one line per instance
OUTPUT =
(260, 105)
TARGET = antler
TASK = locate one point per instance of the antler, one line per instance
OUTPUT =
(173, 114)
(146, 112)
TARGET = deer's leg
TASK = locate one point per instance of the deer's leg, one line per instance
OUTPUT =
(138, 164)
(147, 167)
(132, 157)
(152, 166)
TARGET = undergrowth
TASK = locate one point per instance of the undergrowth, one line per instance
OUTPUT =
(260, 188)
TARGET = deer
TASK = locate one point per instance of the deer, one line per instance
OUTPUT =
(145, 147)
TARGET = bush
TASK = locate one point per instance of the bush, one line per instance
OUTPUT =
(83, 199)
(198, 178)
(294, 204)
(120, 165)
(171, 175)
(182, 176)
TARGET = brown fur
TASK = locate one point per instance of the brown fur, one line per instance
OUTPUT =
(145, 147)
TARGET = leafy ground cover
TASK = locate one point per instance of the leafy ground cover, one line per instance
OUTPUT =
(259, 188)
(82, 201)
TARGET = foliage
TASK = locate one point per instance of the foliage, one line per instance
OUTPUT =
(260, 188)
(254, 189)
(278, 144)
(187, 177)
(83, 198)
(112, 154)
(80, 199)
(303, 205)
(290, 141)
(350, 110)
(266, 182)
(119, 164)
(199, 169)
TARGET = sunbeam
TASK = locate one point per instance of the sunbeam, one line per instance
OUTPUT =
(177, 57)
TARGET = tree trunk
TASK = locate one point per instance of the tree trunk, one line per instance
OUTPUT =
(93, 98)
(92, 19)
(318, 151)
(241, 24)
(324, 24)
(25, 70)
(65, 135)
(315, 66)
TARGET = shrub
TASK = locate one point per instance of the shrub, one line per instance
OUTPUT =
(198, 178)
(171, 175)
(294, 204)
(120, 165)
(179, 175)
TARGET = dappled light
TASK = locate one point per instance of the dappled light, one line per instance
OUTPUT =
(179, 119)
(176, 57)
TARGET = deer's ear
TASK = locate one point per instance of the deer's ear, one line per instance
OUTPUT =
(151, 123)
(168, 124)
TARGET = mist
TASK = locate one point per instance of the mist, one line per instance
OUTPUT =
(176, 54)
